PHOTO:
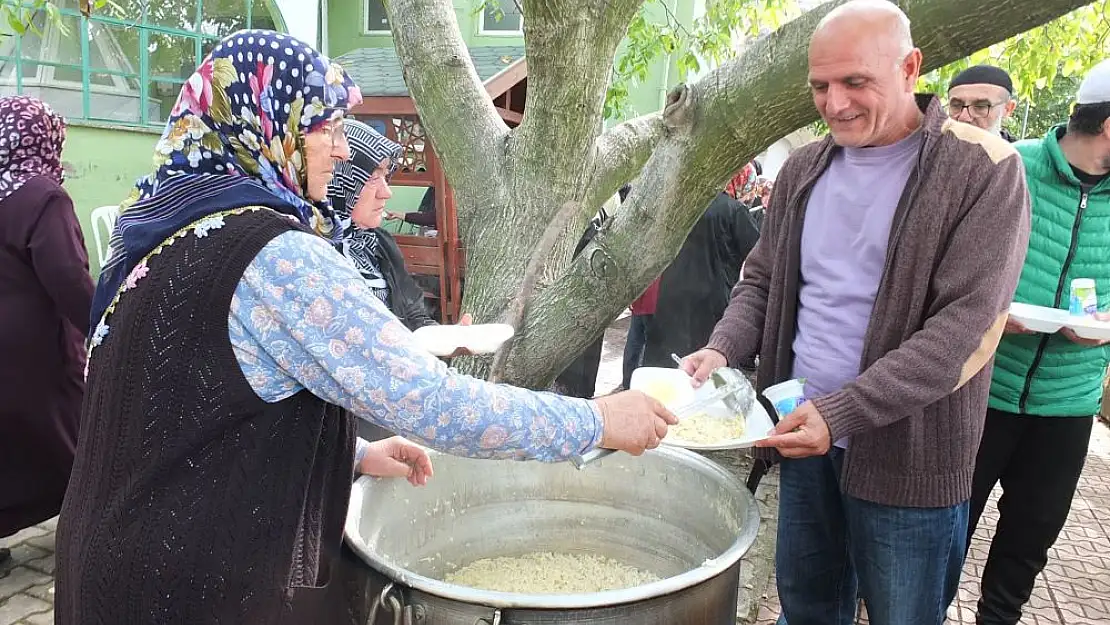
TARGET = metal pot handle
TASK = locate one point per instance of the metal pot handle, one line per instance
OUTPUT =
(387, 596)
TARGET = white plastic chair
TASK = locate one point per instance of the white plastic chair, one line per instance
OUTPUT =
(103, 221)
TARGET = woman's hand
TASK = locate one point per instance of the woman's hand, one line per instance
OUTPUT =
(633, 422)
(397, 457)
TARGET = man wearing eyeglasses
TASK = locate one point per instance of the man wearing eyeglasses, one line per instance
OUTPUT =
(982, 96)
(1046, 388)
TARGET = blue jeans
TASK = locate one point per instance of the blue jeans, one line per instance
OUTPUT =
(904, 562)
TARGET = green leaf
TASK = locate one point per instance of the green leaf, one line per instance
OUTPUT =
(14, 22)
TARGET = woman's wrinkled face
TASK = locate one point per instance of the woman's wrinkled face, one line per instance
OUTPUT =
(370, 208)
(323, 147)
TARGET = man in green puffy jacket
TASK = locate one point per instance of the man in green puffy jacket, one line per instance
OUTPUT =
(1047, 387)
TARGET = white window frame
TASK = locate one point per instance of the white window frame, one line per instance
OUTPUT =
(366, 21)
(519, 32)
(44, 74)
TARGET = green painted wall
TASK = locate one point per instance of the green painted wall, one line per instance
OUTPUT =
(347, 23)
(103, 165)
(347, 26)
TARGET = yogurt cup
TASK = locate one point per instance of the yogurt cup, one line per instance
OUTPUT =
(786, 396)
(1084, 299)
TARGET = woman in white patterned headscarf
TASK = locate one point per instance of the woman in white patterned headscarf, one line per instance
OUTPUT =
(359, 192)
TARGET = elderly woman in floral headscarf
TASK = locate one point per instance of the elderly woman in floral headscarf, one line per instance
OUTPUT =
(232, 345)
(45, 291)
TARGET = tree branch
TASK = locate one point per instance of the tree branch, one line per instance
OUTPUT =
(571, 47)
(621, 152)
(518, 307)
(450, 99)
(729, 116)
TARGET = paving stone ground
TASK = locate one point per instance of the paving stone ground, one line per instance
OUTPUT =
(1074, 589)
(27, 579)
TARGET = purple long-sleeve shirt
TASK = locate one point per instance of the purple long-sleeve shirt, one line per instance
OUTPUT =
(844, 244)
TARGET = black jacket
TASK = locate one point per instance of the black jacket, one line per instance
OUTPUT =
(406, 298)
(694, 290)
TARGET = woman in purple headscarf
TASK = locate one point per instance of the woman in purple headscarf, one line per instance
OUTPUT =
(45, 292)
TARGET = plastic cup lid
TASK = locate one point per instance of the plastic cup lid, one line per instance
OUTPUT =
(789, 387)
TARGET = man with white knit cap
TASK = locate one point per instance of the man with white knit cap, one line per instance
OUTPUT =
(1046, 388)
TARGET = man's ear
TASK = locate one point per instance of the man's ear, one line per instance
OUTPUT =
(911, 67)
(1009, 108)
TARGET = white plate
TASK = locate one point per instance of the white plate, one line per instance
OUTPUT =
(479, 339)
(1050, 320)
(675, 388)
(1090, 328)
(1039, 318)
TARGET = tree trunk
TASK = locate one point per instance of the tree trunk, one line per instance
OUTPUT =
(510, 184)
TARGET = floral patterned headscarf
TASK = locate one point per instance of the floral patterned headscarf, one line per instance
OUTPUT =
(31, 140)
(234, 138)
(756, 190)
(739, 183)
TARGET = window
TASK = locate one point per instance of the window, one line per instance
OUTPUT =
(377, 20)
(126, 63)
(501, 17)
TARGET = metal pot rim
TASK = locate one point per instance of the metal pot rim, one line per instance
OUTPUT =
(707, 570)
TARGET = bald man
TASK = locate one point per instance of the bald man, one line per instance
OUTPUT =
(885, 285)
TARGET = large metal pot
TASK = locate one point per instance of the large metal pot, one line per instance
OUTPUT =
(670, 511)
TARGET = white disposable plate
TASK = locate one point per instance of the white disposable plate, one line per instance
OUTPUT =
(1090, 328)
(1050, 320)
(678, 392)
(479, 339)
(1039, 318)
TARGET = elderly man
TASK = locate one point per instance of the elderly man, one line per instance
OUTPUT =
(886, 287)
(982, 96)
(1047, 387)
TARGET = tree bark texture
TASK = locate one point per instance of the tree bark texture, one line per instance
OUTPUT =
(510, 184)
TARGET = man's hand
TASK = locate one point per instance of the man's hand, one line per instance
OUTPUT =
(702, 363)
(1075, 338)
(801, 434)
(393, 216)
(633, 422)
(397, 457)
(1013, 326)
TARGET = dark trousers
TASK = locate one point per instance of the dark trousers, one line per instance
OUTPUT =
(1038, 460)
(634, 347)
